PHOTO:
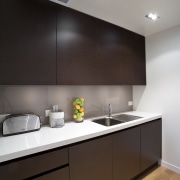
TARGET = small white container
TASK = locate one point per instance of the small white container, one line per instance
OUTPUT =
(56, 119)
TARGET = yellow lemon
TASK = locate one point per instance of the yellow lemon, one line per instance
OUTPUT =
(74, 116)
(82, 99)
(78, 107)
(82, 114)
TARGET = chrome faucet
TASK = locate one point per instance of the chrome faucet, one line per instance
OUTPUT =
(109, 110)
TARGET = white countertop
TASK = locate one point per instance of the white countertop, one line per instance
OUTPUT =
(12, 147)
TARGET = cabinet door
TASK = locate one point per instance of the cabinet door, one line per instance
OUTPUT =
(91, 160)
(76, 48)
(61, 174)
(34, 165)
(126, 154)
(121, 55)
(135, 58)
(151, 135)
(28, 43)
(111, 51)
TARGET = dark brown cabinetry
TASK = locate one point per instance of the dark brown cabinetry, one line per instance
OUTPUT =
(151, 135)
(61, 174)
(36, 165)
(121, 55)
(91, 160)
(27, 43)
(44, 44)
(76, 48)
(92, 51)
(122, 155)
(126, 154)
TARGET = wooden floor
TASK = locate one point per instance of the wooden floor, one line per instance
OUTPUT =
(161, 173)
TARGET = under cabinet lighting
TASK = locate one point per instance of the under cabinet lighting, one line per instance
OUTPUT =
(152, 16)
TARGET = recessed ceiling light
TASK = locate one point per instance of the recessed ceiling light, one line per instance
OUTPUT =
(152, 16)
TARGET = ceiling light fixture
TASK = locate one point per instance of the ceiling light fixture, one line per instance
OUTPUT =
(152, 16)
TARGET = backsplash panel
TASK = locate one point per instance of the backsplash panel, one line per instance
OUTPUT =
(36, 99)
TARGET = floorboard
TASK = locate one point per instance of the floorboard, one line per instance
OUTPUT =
(162, 173)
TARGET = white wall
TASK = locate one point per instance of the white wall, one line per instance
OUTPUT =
(162, 92)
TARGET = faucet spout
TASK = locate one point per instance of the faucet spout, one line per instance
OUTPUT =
(109, 110)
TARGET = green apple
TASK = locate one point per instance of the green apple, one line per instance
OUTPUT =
(75, 111)
(78, 101)
(79, 115)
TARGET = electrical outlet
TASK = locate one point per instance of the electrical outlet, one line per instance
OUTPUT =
(130, 103)
(47, 113)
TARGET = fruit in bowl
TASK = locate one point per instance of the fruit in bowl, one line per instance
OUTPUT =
(78, 109)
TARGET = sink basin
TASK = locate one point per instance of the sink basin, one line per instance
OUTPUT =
(125, 117)
(107, 121)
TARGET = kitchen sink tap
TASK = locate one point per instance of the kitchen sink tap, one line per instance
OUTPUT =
(109, 110)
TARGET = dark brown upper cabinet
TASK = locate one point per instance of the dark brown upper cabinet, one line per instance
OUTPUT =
(92, 51)
(46, 44)
(111, 54)
(135, 60)
(27, 43)
(76, 48)
(121, 56)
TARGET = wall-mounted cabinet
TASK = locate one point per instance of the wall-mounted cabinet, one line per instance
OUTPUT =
(92, 51)
(27, 43)
(42, 43)
(76, 48)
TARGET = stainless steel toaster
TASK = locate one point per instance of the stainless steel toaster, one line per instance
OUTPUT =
(20, 123)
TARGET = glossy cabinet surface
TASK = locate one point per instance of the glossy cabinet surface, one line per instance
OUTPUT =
(121, 55)
(27, 43)
(61, 174)
(34, 165)
(126, 154)
(91, 160)
(47, 44)
(123, 155)
(151, 142)
(76, 48)
(91, 51)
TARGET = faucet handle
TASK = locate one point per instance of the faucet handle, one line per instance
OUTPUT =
(110, 110)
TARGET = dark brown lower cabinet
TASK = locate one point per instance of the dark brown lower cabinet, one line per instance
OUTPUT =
(151, 135)
(126, 154)
(29, 167)
(122, 155)
(61, 174)
(91, 160)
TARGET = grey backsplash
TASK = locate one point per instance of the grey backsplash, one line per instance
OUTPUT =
(36, 99)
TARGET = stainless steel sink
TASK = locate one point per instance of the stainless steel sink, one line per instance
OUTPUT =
(107, 121)
(125, 117)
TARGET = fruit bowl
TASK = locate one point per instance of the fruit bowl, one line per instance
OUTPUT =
(78, 109)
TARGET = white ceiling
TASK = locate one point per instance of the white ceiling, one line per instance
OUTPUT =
(130, 14)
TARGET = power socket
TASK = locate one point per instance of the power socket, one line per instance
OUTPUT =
(47, 113)
(130, 103)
